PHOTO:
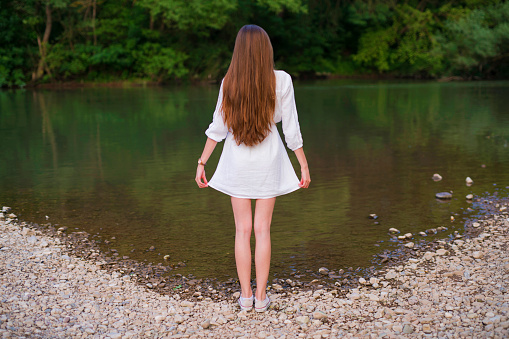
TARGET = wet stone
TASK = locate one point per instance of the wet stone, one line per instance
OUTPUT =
(443, 195)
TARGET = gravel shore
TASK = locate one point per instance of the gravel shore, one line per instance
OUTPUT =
(458, 289)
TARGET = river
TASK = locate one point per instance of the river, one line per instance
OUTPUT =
(119, 163)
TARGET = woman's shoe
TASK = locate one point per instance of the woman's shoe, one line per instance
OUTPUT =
(262, 305)
(246, 304)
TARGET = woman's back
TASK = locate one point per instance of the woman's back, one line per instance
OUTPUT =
(264, 170)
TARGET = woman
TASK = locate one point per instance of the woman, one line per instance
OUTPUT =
(254, 163)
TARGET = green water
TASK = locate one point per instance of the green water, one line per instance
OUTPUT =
(121, 163)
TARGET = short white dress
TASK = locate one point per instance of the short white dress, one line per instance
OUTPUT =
(262, 171)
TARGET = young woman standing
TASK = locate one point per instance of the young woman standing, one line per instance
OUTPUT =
(254, 163)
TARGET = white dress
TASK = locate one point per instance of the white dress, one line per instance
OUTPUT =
(262, 171)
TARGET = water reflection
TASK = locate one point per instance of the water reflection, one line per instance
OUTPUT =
(120, 163)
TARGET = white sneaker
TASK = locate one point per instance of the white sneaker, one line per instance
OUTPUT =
(246, 304)
(263, 305)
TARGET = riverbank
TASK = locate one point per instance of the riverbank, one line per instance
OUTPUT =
(202, 82)
(457, 288)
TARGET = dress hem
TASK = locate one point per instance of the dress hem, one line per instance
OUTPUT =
(293, 189)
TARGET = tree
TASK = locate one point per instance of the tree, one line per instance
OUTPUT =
(477, 43)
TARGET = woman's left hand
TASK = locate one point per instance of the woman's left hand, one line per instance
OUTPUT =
(201, 179)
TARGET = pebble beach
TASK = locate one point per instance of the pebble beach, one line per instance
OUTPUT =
(458, 289)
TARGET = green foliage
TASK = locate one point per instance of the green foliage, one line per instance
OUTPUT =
(478, 42)
(277, 6)
(405, 47)
(160, 63)
(191, 14)
(165, 40)
(13, 55)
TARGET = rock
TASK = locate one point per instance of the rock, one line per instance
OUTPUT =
(160, 318)
(444, 195)
(302, 320)
(186, 303)
(206, 323)
(413, 300)
(408, 235)
(477, 255)
(319, 315)
(423, 234)
(436, 177)
(12, 216)
(362, 281)
(373, 297)
(469, 196)
(354, 296)
(476, 224)
(426, 320)
(236, 295)
(323, 270)
(373, 280)
(178, 319)
(409, 245)
(390, 275)
(397, 328)
(166, 257)
(469, 181)
(114, 335)
(373, 216)
(393, 230)
(426, 328)
(407, 329)
(442, 251)
(6, 209)
(428, 255)
(277, 287)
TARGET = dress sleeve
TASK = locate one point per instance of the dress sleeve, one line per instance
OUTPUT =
(217, 130)
(289, 117)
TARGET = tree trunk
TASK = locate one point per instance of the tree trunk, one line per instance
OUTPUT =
(94, 11)
(42, 46)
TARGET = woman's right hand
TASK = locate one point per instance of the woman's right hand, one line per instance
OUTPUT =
(201, 179)
(305, 178)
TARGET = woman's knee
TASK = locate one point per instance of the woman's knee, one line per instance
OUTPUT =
(243, 229)
(262, 230)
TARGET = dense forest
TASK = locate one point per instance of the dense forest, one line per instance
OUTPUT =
(161, 41)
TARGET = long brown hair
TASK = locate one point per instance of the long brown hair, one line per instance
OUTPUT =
(249, 87)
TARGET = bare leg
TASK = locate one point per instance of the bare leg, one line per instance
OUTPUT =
(262, 220)
(243, 225)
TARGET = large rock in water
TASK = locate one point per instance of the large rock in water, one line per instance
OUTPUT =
(444, 195)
